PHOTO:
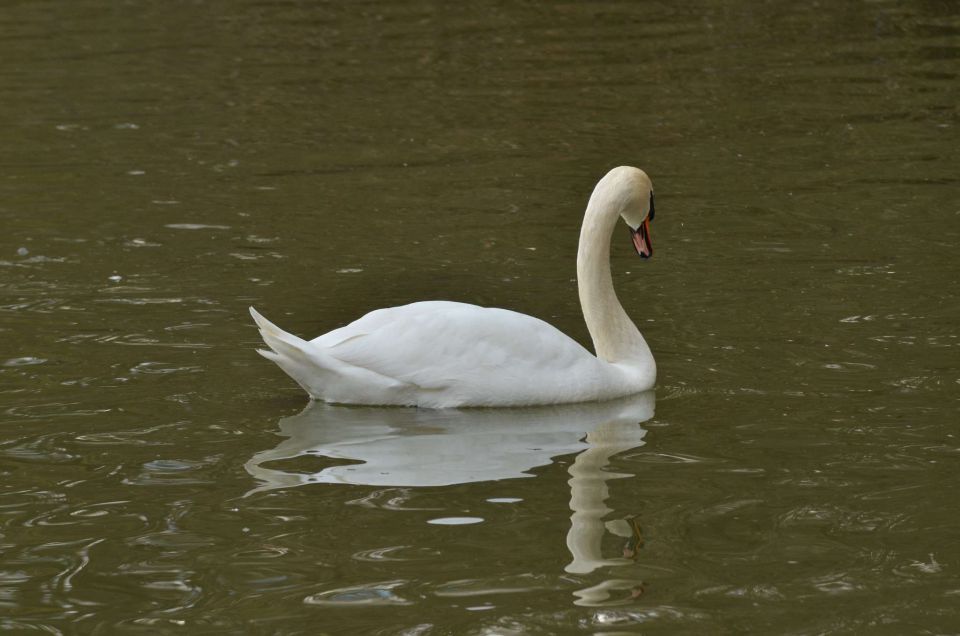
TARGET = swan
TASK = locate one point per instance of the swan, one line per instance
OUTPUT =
(442, 354)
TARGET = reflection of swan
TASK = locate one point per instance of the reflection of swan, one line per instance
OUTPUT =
(418, 447)
(588, 492)
(445, 354)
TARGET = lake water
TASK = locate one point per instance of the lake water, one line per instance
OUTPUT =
(166, 165)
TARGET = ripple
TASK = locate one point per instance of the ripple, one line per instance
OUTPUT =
(173, 539)
(843, 519)
(138, 242)
(867, 270)
(44, 448)
(39, 258)
(23, 362)
(455, 521)
(836, 584)
(915, 383)
(650, 457)
(673, 392)
(131, 339)
(262, 552)
(194, 226)
(95, 516)
(849, 366)
(369, 594)
(164, 584)
(519, 584)
(648, 615)
(44, 305)
(167, 472)
(130, 437)
(142, 301)
(52, 409)
(920, 569)
(389, 499)
(162, 368)
(168, 465)
(389, 554)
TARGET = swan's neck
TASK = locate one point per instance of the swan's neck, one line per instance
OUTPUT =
(615, 337)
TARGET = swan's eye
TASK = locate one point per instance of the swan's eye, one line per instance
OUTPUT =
(651, 206)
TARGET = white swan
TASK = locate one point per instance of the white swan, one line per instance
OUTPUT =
(441, 354)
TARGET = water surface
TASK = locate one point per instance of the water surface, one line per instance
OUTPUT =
(165, 166)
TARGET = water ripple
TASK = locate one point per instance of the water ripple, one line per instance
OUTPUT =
(356, 595)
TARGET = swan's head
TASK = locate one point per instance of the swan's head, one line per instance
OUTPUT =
(629, 192)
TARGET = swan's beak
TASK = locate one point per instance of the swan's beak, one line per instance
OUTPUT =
(641, 239)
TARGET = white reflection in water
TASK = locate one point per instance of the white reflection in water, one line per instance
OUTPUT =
(408, 447)
(589, 491)
(455, 521)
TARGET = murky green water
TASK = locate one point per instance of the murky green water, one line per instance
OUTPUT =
(165, 165)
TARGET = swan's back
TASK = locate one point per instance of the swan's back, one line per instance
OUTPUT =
(444, 354)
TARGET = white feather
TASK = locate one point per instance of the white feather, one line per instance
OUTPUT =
(446, 354)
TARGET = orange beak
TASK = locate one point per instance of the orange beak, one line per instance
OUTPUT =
(641, 239)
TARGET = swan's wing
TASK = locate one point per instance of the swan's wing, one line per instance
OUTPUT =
(442, 345)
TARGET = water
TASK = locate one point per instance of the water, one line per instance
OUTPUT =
(165, 166)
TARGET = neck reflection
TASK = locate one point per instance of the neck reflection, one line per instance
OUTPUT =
(406, 447)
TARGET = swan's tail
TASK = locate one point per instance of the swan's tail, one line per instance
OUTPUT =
(326, 377)
(292, 354)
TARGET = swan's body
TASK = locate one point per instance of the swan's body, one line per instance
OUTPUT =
(446, 354)
(440, 354)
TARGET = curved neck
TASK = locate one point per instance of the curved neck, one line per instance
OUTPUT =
(615, 337)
